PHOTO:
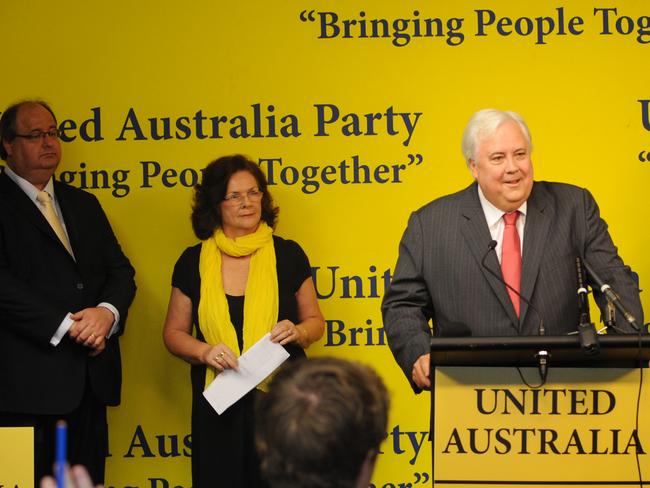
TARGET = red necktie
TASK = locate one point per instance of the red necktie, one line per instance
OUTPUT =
(511, 257)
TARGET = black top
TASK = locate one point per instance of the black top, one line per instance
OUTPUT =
(236, 309)
(292, 267)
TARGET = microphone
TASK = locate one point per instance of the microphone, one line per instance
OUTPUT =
(612, 296)
(583, 294)
(542, 356)
(491, 246)
(586, 329)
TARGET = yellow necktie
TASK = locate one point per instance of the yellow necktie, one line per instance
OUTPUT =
(45, 199)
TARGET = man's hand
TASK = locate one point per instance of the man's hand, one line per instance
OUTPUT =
(420, 373)
(91, 326)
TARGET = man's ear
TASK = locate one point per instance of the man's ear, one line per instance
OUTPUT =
(367, 468)
(7, 147)
(473, 168)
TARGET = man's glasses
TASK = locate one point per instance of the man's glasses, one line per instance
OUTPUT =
(39, 134)
(235, 198)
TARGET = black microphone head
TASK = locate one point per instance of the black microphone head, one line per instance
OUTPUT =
(452, 329)
(491, 245)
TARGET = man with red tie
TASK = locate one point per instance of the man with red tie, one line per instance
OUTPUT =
(65, 288)
(459, 250)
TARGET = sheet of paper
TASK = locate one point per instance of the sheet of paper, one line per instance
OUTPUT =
(257, 363)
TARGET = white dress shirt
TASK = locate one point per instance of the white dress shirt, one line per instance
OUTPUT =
(494, 219)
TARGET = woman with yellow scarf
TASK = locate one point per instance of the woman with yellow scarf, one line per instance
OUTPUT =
(238, 284)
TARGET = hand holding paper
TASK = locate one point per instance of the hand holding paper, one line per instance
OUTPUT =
(255, 365)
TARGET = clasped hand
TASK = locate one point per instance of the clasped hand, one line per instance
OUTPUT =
(90, 328)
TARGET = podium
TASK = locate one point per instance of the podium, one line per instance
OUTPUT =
(586, 426)
(621, 351)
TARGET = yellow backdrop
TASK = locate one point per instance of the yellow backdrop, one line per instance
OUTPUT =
(355, 110)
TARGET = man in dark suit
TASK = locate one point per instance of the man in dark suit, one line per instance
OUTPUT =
(65, 288)
(447, 257)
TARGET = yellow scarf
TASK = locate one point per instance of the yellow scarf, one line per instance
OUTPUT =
(261, 303)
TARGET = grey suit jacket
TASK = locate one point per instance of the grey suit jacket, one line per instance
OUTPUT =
(439, 275)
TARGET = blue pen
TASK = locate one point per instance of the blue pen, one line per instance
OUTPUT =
(61, 454)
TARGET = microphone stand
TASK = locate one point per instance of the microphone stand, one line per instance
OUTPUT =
(542, 356)
(612, 297)
(586, 329)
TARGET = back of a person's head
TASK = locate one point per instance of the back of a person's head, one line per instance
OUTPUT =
(318, 423)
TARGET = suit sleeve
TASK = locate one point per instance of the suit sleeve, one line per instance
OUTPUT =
(407, 306)
(119, 286)
(601, 253)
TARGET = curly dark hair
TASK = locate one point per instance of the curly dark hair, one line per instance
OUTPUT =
(206, 215)
(8, 122)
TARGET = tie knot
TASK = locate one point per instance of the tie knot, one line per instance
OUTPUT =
(43, 197)
(511, 218)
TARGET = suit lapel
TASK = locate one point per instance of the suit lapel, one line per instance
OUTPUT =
(20, 202)
(539, 217)
(477, 235)
(69, 216)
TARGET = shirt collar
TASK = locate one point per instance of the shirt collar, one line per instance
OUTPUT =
(30, 190)
(493, 214)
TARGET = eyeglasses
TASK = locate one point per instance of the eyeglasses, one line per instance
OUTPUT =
(39, 134)
(235, 198)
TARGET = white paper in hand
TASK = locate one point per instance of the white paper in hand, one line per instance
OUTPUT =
(255, 365)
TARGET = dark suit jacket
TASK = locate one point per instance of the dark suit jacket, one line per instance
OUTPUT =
(439, 275)
(39, 284)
